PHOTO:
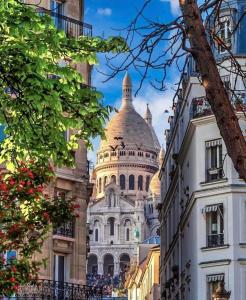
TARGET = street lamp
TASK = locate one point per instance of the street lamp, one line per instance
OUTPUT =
(221, 293)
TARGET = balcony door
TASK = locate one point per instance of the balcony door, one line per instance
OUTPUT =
(59, 268)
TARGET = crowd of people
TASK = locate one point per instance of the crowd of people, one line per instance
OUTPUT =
(111, 285)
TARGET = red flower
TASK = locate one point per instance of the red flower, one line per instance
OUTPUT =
(30, 175)
(16, 287)
(11, 181)
(40, 189)
(22, 182)
(13, 269)
(30, 191)
(76, 205)
(12, 279)
(19, 188)
(28, 183)
(46, 215)
(3, 187)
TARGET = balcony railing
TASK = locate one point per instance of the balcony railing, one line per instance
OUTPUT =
(55, 290)
(71, 26)
(67, 230)
(215, 174)
(201, 108)
(215, 240)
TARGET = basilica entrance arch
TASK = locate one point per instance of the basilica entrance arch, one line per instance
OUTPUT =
(124, 262)
(108, 265)
(92, 265)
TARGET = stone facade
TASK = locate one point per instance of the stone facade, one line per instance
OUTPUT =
(203, 207)
(66, 248)
(121, 212)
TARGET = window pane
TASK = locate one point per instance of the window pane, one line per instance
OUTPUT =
(131, 182)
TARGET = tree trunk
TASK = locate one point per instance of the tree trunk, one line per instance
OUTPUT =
(217, 95)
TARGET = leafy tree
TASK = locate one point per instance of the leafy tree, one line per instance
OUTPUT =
(40, 98)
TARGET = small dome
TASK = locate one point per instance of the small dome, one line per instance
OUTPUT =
(155, 184)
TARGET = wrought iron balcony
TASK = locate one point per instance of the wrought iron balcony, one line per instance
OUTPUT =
(215, 240)
(55, 290)
(201, 108)
(215, 174)
(67, 230)
(71, 26)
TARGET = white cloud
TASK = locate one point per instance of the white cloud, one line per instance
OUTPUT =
(174, 6)
(104, 11)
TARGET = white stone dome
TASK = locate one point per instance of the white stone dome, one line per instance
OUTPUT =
(128, 126)
(131, 127)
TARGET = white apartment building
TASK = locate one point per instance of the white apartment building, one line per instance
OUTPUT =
(203, 201)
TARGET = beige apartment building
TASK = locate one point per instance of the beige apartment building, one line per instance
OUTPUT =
(143, 280)
(66, 247)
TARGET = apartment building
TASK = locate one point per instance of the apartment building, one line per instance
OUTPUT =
(203, 201)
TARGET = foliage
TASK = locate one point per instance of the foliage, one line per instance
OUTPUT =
(26, 214)
(41, 96)
(32, 99)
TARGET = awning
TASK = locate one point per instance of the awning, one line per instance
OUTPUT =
(215, 277)
(213, 143)
(210, 208)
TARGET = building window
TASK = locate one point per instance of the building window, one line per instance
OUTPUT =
(140, 182)
(96, 235)
(131, 182)
(105, 181)
(122, 153)
(225, 33)
(212, 284)
(147, 183)
(58, 8)
(100, 185)
(214, 161)
(113, 179)
(122, 182)
(215, 225)
(140, 154)
(127, 234)
(111, 226)
(131, 153)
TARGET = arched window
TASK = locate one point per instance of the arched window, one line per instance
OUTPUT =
(100, 185)
(96, 235)
(140, 182)
(127, 234)
(131, 182)
(111, 226)
(122, 182)
(147, 183)
(105, 181)
(113, 178)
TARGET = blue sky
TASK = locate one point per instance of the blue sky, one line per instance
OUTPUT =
(107, 17)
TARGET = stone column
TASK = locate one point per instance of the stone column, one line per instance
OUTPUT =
(100, 267)
(116, 268)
